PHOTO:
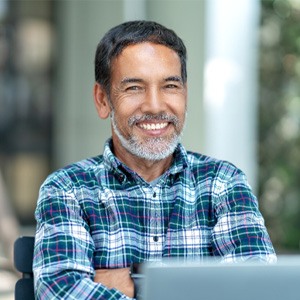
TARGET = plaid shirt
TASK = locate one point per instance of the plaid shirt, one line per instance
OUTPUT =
(100, 214)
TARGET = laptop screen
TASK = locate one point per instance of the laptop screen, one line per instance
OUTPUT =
(214, 281)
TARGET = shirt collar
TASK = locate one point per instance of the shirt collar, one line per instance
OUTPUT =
(180, 161)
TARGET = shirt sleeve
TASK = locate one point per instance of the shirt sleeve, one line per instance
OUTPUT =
(239, 233)
(63, 258)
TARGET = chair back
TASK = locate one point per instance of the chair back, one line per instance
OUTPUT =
(23, 258)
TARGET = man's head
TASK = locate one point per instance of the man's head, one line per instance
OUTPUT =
(141, 84)
(130, 33)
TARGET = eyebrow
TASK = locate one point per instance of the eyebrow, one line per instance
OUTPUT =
(130, 80)
(135, 80)
(174, 78)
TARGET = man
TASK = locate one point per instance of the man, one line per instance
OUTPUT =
(146, 198)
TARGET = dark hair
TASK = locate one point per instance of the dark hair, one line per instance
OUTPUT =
(129, 33)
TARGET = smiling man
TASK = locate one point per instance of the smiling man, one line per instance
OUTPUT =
(146, 197)
(147, 104)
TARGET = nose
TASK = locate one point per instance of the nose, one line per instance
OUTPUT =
(153, 102)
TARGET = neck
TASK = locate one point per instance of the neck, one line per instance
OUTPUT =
(149, 170)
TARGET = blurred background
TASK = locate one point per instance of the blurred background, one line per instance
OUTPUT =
(244, 98)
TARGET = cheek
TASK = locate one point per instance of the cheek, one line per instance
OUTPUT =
(122, 114)
(125, 109)
(180, 109)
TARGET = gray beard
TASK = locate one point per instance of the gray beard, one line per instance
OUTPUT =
(153, 149)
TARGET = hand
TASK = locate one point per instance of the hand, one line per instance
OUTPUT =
(116, 278)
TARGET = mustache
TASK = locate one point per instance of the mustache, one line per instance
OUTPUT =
(151, 117)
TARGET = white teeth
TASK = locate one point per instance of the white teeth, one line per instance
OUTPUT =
(153, 126)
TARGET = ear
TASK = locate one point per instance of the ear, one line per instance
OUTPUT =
(101, 101)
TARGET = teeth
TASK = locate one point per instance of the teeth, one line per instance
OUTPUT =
(153, 126)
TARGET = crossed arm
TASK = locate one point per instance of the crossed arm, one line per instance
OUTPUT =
(64, 252)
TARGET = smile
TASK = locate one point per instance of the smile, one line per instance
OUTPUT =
(152, 126)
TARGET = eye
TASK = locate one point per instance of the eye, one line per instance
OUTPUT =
(133, 88)
(171, 86)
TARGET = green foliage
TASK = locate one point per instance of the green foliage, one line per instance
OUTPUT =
(279, 122)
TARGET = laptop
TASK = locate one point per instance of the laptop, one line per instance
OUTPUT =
(216, 281)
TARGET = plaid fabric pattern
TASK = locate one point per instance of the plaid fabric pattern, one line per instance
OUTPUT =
(98, 213)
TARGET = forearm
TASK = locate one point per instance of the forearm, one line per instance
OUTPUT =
(73, 285)
(63, 270)
(242, 237)
(239, 232)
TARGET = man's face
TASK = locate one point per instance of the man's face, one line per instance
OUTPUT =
(148, 101)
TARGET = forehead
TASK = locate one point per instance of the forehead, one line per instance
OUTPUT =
(147, 58)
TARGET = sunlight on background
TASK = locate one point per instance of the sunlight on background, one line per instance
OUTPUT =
(230, 83)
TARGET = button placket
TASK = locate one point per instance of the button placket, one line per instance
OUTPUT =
(157, 216)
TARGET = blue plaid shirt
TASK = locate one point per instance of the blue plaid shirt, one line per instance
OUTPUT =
(98, 213)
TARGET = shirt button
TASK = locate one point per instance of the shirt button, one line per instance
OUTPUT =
(154, 194)
(155, 238)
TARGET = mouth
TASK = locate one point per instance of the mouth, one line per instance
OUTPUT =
(153, 126)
